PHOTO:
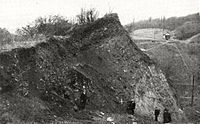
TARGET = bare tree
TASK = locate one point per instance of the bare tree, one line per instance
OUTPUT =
(87, 16)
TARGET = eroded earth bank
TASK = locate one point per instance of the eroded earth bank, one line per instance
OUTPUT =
(43, 83)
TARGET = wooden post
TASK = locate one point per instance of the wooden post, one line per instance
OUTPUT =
(192, 97)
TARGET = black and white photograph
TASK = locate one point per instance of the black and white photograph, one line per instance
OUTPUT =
(99, 61)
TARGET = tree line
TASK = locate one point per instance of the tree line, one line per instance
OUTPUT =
(44, 27)
(178, 24)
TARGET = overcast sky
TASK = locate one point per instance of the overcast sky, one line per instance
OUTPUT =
(17, 13)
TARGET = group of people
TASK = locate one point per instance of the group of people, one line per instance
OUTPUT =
(166, 115)
(130, 109)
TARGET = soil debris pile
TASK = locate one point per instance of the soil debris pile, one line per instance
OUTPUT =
(98, 60)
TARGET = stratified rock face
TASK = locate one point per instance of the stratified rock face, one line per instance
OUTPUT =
(99, 58)
(179, 62)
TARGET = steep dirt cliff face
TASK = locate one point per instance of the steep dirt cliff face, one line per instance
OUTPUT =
(99, 59)
(179, 62)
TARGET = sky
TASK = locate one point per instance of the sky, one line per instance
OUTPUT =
(17, 13)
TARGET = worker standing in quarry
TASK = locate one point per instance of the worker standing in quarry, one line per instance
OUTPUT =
(166, 116)
(131, 107)
(156, 113)
(83, 99)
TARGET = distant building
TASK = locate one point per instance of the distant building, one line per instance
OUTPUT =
(166, 36)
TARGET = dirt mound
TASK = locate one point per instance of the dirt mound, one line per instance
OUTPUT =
(98, 59)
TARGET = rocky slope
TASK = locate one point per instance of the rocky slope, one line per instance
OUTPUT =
(179, 62)
(98, 58)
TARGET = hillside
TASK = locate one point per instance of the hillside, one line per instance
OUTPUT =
(194, 39)
(167, 23)
(179, 60)
(187, 30)
(44, 83)
(182, 27)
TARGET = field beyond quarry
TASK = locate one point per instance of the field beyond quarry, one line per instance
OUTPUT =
(179, 60)
(149, 34)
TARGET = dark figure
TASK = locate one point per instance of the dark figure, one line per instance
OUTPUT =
(157, 112)
(166, 116)
(166, 36)
(83, 99)
(131, 107)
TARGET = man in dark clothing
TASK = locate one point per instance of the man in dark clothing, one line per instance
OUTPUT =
(131, 107)
(157, 112)
(83, 99)
(166, 116)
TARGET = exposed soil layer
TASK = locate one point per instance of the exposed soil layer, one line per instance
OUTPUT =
(44, 83)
